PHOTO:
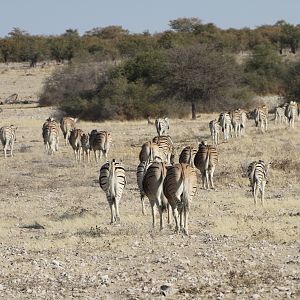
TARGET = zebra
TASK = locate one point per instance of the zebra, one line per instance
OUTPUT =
(187, 155)
(214, 127)
(153, 188)
(236, 120)
(179, 188)
(162, 126)
(291, 112)
(226, 125)
(280, 115)
(260, 116)
(100, 141)
(75, 142)
(66, 125)
(85, 145)
(50, 133)
(112, 181)
(166, 145)
(258, 173)
(140, 172)
(243, 121)
(206, 160)
(8, 138)
(150, 151)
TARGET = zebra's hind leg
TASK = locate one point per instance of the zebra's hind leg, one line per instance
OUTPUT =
(153, 213)
(112, 210)
(186, 215)
(211, 175)
(175, 215)
(255, 192)
(143, 205)
(5, 150)
(263, 184)
(117, 213)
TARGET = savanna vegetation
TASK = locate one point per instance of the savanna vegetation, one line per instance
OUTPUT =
(114, 74)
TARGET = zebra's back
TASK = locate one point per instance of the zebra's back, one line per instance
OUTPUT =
(162, 126)
(8, 138)
(187, 155)
(166, 145)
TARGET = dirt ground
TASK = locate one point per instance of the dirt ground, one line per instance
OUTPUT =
(235, 250)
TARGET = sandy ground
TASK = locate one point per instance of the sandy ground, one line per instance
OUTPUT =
(235, 250)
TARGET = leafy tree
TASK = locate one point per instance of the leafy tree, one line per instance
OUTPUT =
(292, 82)
(186, 25)
(198, 74)
(109, 32)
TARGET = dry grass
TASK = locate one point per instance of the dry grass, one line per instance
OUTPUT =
(65, 198)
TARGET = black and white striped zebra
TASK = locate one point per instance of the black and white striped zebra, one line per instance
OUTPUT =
(260, 116)
(187, 155)
(112, 181)
(150, 151)
(75, 142)
(86, 148)
(166, 145)
(162, 126)
(206, 160)
(67, 124)
(153, 188)
(50, 133)
(237, 123)
(258, 173)
(215, 128)
(100, 142)
(280, 117)
(291, 112)
(226, 125)
(8, 138)
(180, 186)
(140, 173)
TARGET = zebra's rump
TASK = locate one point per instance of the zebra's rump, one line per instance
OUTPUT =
(154, 177)
(100, 140)
(187, 155)
(150, 151)
(75, 138)
(8, 134)
(206, 157)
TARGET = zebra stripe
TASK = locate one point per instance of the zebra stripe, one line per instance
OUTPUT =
(112, 181)
(226, 125)
(50, 133)
(150, 152)
(214, 128)
(291, 112)
(280, 117)
(258, 176)
(8, 138)
(85, 144)
(100, 141)
(236, 120)
(162, 126)
(206, 160)
(187, 155)
(260, 116)
(67, 124)
(75, 142)
(179, 188)
(140, 173)
(166, 145)
(153, 188)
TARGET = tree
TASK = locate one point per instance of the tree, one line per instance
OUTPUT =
(109, 32)
(187, 25)
(198, 74)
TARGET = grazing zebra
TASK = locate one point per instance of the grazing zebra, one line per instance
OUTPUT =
(162, 126)
(179, 188)
(226, 125)
(100, 141)
(112, 181)
(166, 145)
(280, 117)
(153, 188)
(75, 142)
(243, 121)
(50, 133)
(214, 127)
(291, 111)
(206, 160)
(67, 124)
(8, 138)
(187, 155)
(236, 120)
(150, 152)
(85, 145)
(260, 116)
(258, 173)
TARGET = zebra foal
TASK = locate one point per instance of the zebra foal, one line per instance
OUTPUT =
(112, 181)
(162, 126)
(8, 138)
(100, 142)
(67, 124)
(50, 133)
(214, 127)
(179, 188)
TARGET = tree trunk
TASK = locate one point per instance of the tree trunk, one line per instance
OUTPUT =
(193, 110)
